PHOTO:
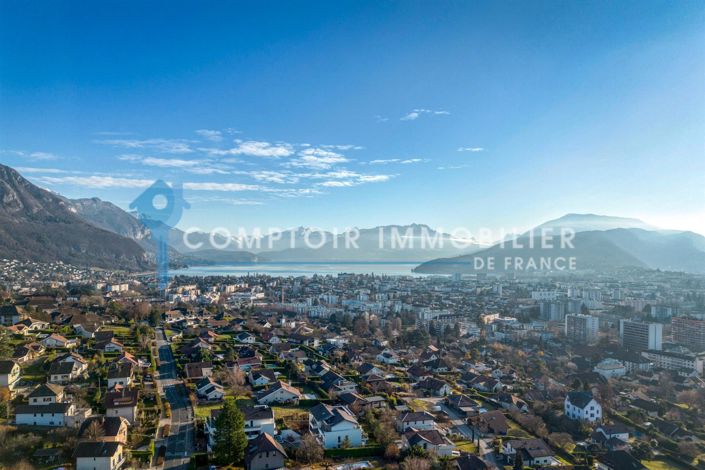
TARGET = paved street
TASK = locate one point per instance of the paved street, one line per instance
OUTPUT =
(180, 443)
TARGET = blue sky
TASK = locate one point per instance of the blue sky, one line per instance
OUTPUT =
(337, 114)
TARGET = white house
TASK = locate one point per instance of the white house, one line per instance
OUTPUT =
(10, 373)
(334, 426)
(50, 414)
(617, 431)
(534, 452)
(582, 406)
(245, 338)
(388, 357)
(120, 374)
(57, 341)
(259, 419)
(122, 403)
(99, 455)
(279, 393)
(209, 389)
(46, 394)
(65, 371)
(261, 377)
(610, 368)
(420, 420)
(430, 440)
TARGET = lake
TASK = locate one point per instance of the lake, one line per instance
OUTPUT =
(295, 269)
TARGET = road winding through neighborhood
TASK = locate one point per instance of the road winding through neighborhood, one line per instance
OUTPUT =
(180, 442)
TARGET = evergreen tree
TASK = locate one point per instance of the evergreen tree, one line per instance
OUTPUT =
(230, 438)
(518, 461)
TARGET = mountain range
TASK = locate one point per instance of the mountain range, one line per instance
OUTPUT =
(39, 225)
(600, 243)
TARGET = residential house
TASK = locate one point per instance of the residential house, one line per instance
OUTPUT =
(87, 329)
(415, 419)
(10, 372)
(264, 453)
(46, 394)
(582, 406)
(491, 423)
(534, 452)
(377, 384)
(278, 393)
(367, 368)
(110, 346)
(65, 372)
(54, 341)
(618, 460)
(261, 377)
(110, 429)
(258, 419)
(198, 370)
(418, 373)
(471, 462)
(120, 374)
(334, 384)
(433, 387)
(334, 426)
(388, 357)
(49, 414)
(316, 368)
(98, 455)
(27, 352)
(462, 405)
(10, 314)
(209, 389)
(122, 403)
(511, 402)
(430, 440)
(486, 384)
(245, 338)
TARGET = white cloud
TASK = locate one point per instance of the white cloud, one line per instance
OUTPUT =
(221, 187)
(226, 200)
(95, 181)
(340, 147)
(471, 149)
(37, 156)
(338, 184)
(317, 159)
(176, 146)
(269, 176)
(452, 167)
(418, 112)
(407, 161)
(209, 134)
(293, 192)
(374, 178)
(379, 118)
(170, 162)
(25, 169)
(255, 148)
(350, 179)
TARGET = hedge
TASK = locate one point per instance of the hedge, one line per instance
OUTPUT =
(369, 451)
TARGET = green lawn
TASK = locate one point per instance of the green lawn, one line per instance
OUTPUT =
(661, 465)
(204, 411)
(119, 330)
(466, 446)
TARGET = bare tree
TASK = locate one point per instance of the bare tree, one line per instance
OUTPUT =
(416, 463)
(94, 431)
(310, 450)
